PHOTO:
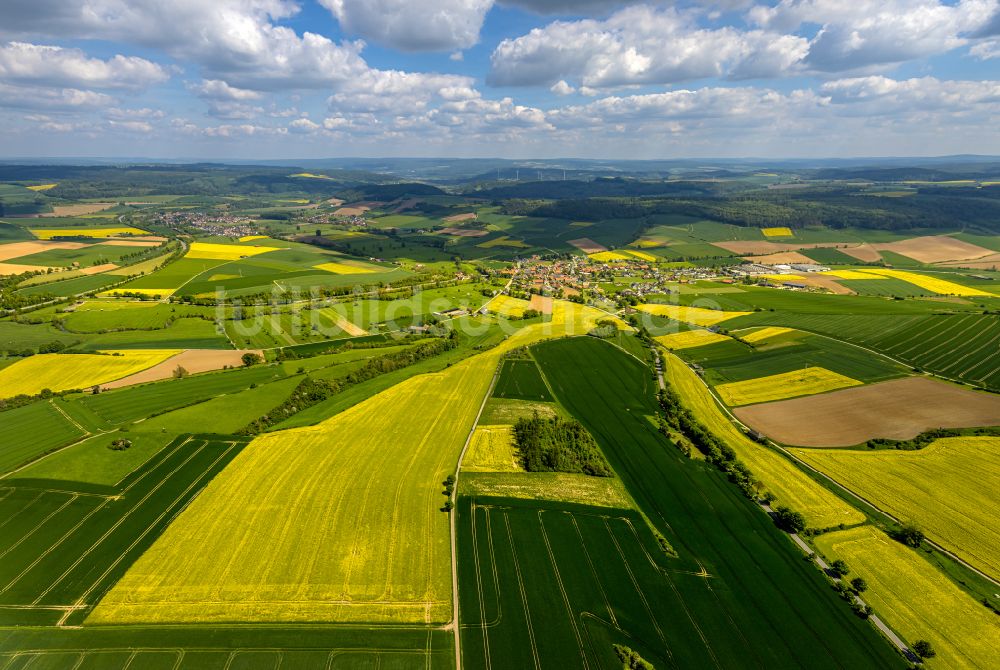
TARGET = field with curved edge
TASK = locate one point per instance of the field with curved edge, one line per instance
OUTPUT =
(58, 372)
(687, 339)
(807, 381)
(694, 315)
(337, 522)
(916, 600)
(789, 485)
(947, 488)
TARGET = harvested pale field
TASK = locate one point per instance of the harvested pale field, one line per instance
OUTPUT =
(338, 522)
(898, 409)
(790, 485)
(142, 267)
(689, 339)
(344, 268)
(985, 263)
(192, 360)
(765, 334)
(492, 450)
(16, 269)
(342, 322)
(935, 249)
(224, 252)
(354, 210)
(18, 249)
(916, 599)
(97, 269)
(508, 306)
(694, 315)
(460, 217)
(864, 252)
(49, 233)
(145, 238)
(58, 372)
(763, 247)
(79, 209)
(556, 486)
(781, 257)
(947, 488)
(588, 246)
(464, 232)
(808, 381)
(779, 231)
(929, 282)
(540, 303)
(815, 280)
(609, 257)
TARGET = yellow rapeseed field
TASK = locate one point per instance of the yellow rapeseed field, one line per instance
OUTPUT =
(338, 522)
(49, 233)
(948, 488)
(917, 600)
(781, 231)
(789, 484)
(59, 372)
(807, 381)
(642, 255)
(608, 257)
(688, 339)
(41, 187)
(929, 283)
(507, 306)
(251, 238)
(492, 450)
(849, 274)
(344, 268)
(224, 252)
(310, 175)
(765, 334)
(505, 241)
(151, 292)
(694, 315)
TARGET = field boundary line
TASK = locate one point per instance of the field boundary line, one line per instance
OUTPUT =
(524, 598)
(562, 590)
(453, 516)
(68, 417)
(55, 451)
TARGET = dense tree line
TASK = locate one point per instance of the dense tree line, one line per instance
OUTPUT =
(558, 445)
(311, 391)
(925, 438)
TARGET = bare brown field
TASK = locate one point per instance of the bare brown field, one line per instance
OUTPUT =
(353, 210)
(79, 209)
(16, 269)
(541, 303)
(982, 263)
(588, 246)
(406, 204)
(935, 249)
(464, 232)
(192, 360)
(336, 202)
(762, 247)
(897, 409)
(820, 281)
(865, 253)
(460, 217)
(781, 257)
(144, 241)
(18, 249)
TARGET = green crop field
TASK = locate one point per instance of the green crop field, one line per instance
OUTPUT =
(548, 586)
(520, 379)
(32, 430)
(960, 346)
(65, 549)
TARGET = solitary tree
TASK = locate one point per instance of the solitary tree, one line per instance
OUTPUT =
(251, 358)
(910, 535)
(180, 372)
(923, 649)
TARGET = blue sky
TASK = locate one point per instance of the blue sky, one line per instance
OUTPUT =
(510, 78)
